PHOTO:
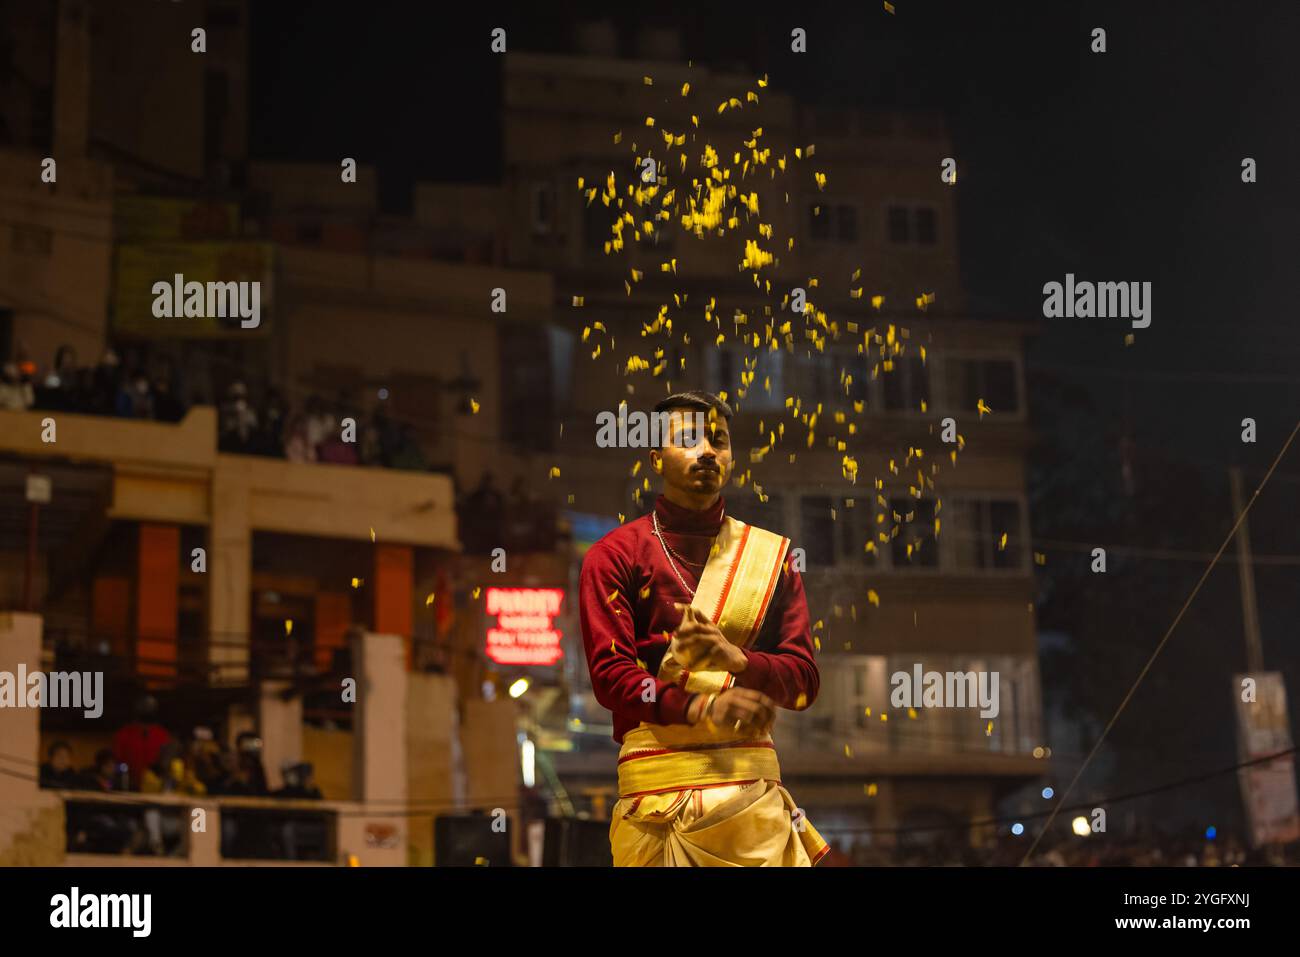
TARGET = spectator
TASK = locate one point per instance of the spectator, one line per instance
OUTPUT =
(320, 424)
(59, 390)
(95, 828)
(15, 394)
(374, 438)
(335, 450)
(167, 406)
(298, 446)
(249, 746)
(139, 743)
(171, 774)
(57, 772)
(205, 757)
(242, 769)
(103, 774)
(135, 400)
(409, 454)
(270, 437)
(238, 421)
(299, 782)
(103, 394)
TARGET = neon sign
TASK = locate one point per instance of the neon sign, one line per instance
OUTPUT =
(524, 633)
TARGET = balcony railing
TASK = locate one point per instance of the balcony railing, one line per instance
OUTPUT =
(130, 828)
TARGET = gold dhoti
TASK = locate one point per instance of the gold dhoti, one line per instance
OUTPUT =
(700, 796)
(724, 805)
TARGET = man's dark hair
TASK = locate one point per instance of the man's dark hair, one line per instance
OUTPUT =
(703, 401)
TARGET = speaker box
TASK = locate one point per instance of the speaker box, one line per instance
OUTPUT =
(572, 842)
(467, 840)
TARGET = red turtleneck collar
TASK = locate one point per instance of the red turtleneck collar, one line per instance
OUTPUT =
(678, 518)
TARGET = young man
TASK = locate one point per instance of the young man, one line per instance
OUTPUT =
(696, 630)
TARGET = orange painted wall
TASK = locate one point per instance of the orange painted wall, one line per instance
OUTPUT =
(157, 600)
(394, 592)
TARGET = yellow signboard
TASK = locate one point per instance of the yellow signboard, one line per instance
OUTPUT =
(199, 300)
(150, 219)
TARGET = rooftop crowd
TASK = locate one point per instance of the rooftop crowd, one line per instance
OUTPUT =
(270, 427)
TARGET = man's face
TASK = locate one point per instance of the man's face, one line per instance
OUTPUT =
(693, 459)
(61, 759)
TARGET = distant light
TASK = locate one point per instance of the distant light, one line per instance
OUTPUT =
(489, 691)
(383, 394)
(1080, 826)
(1017, 829)
(1038, 752)
(528, 762)
(519, 687)
(1211, 832)
(1047, 794)
(353, 861)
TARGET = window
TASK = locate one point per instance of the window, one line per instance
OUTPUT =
(817, 376)
(914, 546)
(527, 394)
(924, 220)
(720, 371)
(723, 368)
(832, 222)
(899, 225)
(767, 389)
(993, 380)
(857, 529)
(819, 222)
(750, 509)
(907, 385)
(542, 209)
(597, 224)
(912, 225)
(977, 534)
(866, 689)
(817, 530)
(847, 220)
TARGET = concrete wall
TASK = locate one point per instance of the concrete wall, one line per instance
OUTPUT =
(58, 231)
(431, 728)
(31, 821)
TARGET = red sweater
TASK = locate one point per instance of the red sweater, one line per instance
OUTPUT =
(625, 601)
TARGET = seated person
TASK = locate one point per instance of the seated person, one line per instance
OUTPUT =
(57, 772)
(104, 775)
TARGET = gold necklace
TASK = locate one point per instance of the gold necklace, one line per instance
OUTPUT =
(654, 518)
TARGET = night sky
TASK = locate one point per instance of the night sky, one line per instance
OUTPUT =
(1122, 166)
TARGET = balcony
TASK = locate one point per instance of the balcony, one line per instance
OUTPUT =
(174, 473)
(124, 830)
